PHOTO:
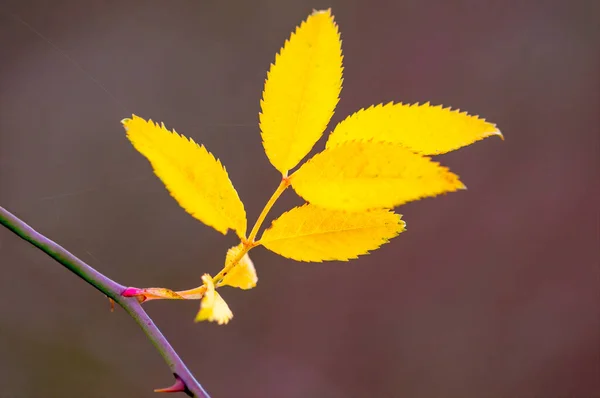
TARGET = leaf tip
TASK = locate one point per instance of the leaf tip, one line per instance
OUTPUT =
(498, 133)
(128, 120)
(324, 11)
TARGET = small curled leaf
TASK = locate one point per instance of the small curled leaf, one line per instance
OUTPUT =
(212, 306)
(243, 274)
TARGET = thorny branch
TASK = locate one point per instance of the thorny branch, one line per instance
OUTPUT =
(184, 380)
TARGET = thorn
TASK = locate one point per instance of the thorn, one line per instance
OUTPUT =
(112, 304)
(178, 386)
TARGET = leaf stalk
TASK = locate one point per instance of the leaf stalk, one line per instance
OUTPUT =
(285, 182)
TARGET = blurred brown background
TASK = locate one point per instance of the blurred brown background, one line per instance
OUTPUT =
(492, 292)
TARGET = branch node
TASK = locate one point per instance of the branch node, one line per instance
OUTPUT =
(134, 292)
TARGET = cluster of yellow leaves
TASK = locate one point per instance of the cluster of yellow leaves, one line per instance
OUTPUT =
(374, 160)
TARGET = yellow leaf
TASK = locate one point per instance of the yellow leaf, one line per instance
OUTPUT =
(301, 91)
(365, 175)
(212, 306)
(311, 233)
(425, 129)
(197, 181)
(243, 274)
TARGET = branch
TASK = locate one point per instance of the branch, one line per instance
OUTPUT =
(184, 379)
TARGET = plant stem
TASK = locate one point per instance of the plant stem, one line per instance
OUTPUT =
(251, 243)
(197, 292)
(113, 290)
(285, 182)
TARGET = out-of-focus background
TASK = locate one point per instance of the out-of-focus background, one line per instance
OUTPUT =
(492, 292)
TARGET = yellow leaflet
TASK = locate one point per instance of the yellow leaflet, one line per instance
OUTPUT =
(212, 306)
(311, 233)
(425, 129)
(301, 91)
(365, 175)
(193, 176)
(243, 274)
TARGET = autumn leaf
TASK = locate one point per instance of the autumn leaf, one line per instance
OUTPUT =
(243, 274)
(311, 233)
(301, 91)
(197, 181)
(426, 129)
(374, 160)
(365, 175)
(212, 306)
